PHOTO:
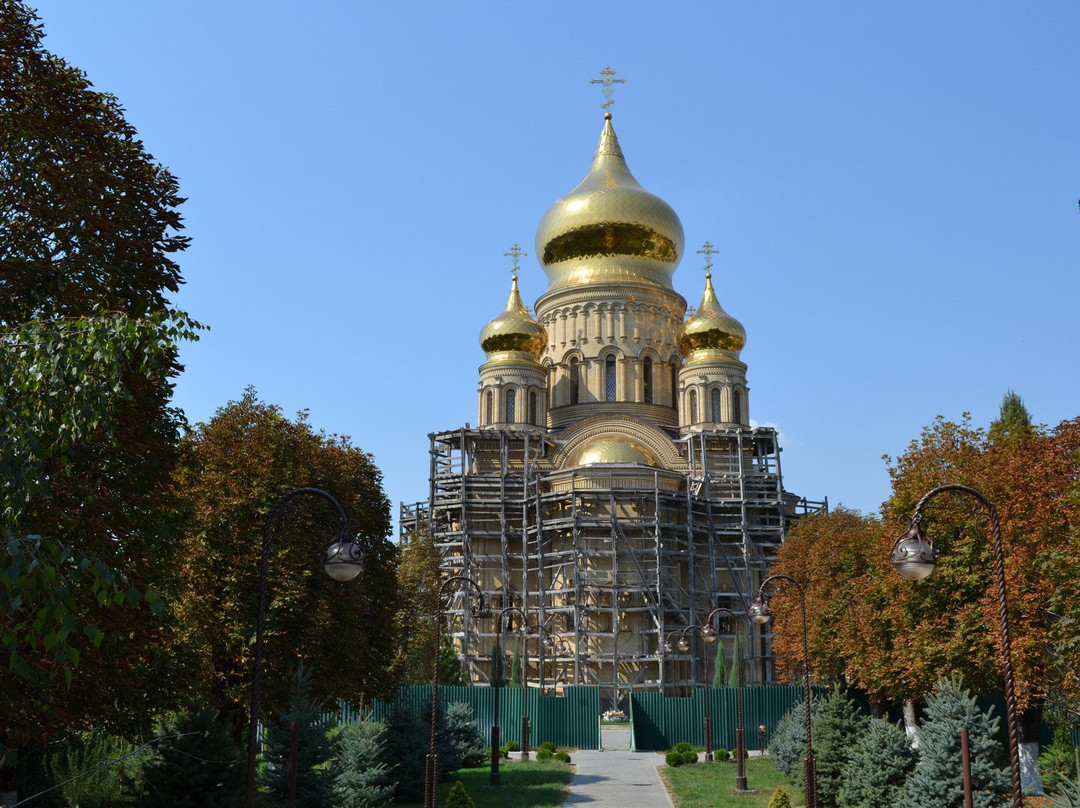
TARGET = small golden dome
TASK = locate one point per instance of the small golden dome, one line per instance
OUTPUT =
(711, 330)
(514, 330)
(609, 228)
(611, 449)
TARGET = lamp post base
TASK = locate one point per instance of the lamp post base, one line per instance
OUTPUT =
(431, 780)
(740, 759)
(495, 779)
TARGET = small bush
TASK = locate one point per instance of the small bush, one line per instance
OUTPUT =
(673, 758)
(1056, 759)
(459, 798)
(721, 754)
(512, 746)
(562, 757)
(780, 799)
(689, 757)
(682, 746)
(547, 745)
(544, 754)
(504, 751)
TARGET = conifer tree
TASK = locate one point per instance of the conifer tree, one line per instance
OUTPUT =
(937, 781)
(780, 799)
(449, 663)
(406, 745)
(498, 677)
(459, 797)
(515, 666)
(314, 748)
(837, 728)
(362, 774)
(720, 673)
(877, 768)
(735, 674)
(200, 765)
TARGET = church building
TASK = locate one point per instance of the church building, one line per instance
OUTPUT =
(613, 487)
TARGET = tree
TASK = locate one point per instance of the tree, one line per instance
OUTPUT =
(407, 745)
(720, 673)
(877, 768)
(498, 676)
(199, 764)
(515, 665)
(361, 772)
(449, 663)
(937, 781)
(89, 224)
(459, 797)
(735, 675)
(418, 575)
(837, 728)
(232, 469)
(314, 749)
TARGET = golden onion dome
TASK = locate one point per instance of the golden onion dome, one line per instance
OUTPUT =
(514, 330)
(611, 449)
(609, 228)
(711, 331)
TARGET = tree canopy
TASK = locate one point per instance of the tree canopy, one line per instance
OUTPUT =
(89, 224)
(231, 471)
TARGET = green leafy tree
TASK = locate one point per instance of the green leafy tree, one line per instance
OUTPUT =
(937, 781)
(232, 469)
(418, 574)
(89, 227)
(837, 729)
(315, 749)
(877, 768)
(198, 764)
(361, 770)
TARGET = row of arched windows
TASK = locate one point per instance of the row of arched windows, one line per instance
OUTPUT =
(714, 409)
(509, 408)
(610, 389)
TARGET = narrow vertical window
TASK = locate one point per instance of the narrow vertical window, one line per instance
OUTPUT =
(736, 406)
(609, 379)
(646, 380)
(511, 405)
(575, 380)
(488, 414)
(693, 406)
(674, 384)
(532, 408)
(716, 405)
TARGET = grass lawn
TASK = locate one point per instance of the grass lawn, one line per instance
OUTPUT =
(712, 785)
(525, 784)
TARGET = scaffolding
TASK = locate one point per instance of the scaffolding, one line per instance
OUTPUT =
(609, 558)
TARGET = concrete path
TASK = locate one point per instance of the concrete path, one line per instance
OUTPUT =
(617, 777)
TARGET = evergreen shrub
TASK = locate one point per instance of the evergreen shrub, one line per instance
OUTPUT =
(780, 799)
(788, 745)
(673, 758)
(458, 797)
(689, 757)
(837, 728)
(362, 775)
(937, 781)
(406, 742)
(544, 754)
(548, 745)
(682, 746)
(315, 749)
(562, 757)
(877, 768)
(198, 765)
(721, 754)
(1057, 760)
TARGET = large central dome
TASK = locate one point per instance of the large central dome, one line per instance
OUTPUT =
(609, 228)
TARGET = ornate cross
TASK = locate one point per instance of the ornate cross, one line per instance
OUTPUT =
(708, 250)
(608, 80)
(516, 255)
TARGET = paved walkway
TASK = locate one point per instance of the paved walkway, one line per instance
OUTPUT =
(617, 777)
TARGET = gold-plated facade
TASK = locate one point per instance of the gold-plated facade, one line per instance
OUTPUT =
(612, 449)
(513, 330)
(711, 331)
(609, 228)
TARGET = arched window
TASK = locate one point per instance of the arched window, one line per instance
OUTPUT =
(646, 380)
(532, 408)
(609, 378)
(575, 380)
(511, 405)
(693, 406)
(674, 384)
(488, 414)
(716, 405)
(736, 406)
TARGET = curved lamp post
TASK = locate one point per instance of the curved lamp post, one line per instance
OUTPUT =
(343, 560)
(760, 613)
(478, 609)
(914, 558)
(494, 778)
(552, 643)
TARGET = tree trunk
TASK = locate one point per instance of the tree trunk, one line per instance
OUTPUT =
(910, 727)
(1028, 723)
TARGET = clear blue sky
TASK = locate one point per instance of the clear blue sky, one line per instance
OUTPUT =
(892, 186)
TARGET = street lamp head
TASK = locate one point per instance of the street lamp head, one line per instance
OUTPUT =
(684, 644)
(759, 611)
(480, 610)
(708, 634)
(913, 556)
(343, 560)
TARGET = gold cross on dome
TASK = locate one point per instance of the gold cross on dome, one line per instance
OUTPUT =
(608, 81)
(516, 255)
(708, 250)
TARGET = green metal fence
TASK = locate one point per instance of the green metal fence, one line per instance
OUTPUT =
(659, 721)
